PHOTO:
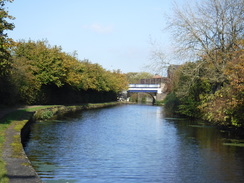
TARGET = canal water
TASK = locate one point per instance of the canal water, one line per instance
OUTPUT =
(132, 144)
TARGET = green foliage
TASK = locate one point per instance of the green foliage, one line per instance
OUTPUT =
(3, 172)
(199, 90)
(5, 57)
(171, 102)
(45, 74)
(5, 42)
(188, 86)
(44, 62)
(44, 114)
(135, 77)
(159, 102)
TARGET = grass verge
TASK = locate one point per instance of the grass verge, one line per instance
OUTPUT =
(18, 118)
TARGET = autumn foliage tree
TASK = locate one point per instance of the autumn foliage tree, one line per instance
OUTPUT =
(198, 94)
(34, 72)
(226, 105)
(210, 34)
(45, 74)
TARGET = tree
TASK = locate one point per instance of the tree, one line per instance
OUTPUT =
(135, 77)
(210, 28)
(45, 74)
(27, 86)
(5, 57)
(159, 60)
(196, 94)
(47, 61)
(226, 105)
(5, 42)
(207, 32)
(117, 81)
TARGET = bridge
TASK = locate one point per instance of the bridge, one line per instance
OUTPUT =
(146, 88)
(154, 90)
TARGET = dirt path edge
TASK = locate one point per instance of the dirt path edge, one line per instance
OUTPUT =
(19, 168)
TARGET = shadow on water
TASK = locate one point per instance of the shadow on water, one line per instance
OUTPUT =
(230, 136)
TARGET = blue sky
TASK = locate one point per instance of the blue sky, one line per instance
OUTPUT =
(113, 33)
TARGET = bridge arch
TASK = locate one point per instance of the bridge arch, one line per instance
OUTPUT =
(152, 89)
(140, 98)
(153, 97)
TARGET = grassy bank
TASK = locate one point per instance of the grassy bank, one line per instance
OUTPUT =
(19, 117)
(16, 118)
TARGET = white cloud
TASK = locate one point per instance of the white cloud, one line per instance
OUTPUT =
(100, 28)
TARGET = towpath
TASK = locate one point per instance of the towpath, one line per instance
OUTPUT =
(19, 169)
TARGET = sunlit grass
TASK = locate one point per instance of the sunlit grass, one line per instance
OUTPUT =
(14, 116)
(33, 109)
(3, 172)
(4, 124)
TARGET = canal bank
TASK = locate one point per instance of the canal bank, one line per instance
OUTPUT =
(15, 127)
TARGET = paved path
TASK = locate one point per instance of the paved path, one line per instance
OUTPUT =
(19, 169)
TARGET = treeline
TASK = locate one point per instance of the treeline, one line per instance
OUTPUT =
(44, 74)
(211, 91)
(211, 88)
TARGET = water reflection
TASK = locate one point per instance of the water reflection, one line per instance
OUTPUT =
(132, 144)
(207, 154)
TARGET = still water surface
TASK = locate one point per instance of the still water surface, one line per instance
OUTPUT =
(134, 144)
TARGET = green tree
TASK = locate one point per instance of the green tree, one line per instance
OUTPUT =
(93, 77)
(37, 67)
(6, 89)
(135, 77)
(5, 42)
(26, 84)
(188, 89)
(46, 60)
(117, 81)
(45, 74)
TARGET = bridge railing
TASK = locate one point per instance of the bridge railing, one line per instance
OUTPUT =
(144, 86)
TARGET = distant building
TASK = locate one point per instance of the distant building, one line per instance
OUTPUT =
(157, 79)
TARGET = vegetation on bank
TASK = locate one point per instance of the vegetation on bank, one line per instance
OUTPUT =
(3, 171)
(19, 117)
(212, 87)
(42, 74)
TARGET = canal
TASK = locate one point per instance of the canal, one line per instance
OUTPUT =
(134, 144)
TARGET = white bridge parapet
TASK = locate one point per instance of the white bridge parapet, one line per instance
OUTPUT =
(156, 88)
